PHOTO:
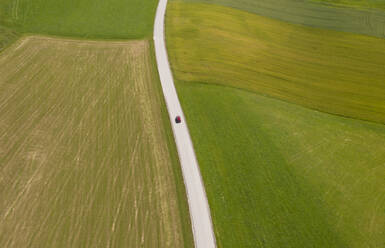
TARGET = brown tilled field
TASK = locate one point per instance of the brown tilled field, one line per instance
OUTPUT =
(86, 156)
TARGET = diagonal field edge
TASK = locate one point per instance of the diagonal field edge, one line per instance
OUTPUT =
(198, 205)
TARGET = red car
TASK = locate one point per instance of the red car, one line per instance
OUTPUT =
(178, 119)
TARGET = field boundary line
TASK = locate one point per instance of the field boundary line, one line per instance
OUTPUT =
(199, 209)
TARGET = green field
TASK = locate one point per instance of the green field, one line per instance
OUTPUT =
(278, 174)
(336, 72)
(380, 4)
(87, 157)
(316, 14)
(113, 19)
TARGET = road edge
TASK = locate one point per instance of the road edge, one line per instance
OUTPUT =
(199, 209)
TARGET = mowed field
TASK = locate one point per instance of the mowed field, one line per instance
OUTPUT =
(356, 3)
(87, 157)
(335, 72)
(278, 174)
(341, 15)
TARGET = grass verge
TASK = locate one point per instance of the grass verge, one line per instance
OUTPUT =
(180, 187)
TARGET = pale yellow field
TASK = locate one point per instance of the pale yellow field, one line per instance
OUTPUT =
(86, 158)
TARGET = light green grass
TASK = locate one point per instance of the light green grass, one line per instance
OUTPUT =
(113, 19)
(314, 14)
(280, 175)
(87, 157)
(331, 71)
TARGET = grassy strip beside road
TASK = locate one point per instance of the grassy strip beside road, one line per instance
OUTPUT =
(177, 172)
(330, 71)
(86, 157)
(113, 19)
(280, 175)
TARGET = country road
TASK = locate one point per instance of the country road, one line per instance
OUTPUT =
(197, 200)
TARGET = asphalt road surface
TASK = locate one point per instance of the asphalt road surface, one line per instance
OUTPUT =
(197, 200)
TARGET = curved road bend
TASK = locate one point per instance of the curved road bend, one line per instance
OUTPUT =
(196, 195)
